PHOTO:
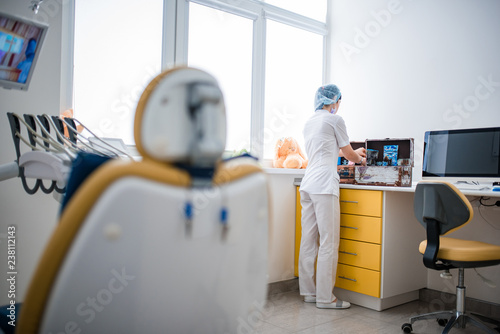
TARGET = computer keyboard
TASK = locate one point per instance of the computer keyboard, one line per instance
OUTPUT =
(471, 186)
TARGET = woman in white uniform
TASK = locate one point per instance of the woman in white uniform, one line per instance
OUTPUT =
(325, 140)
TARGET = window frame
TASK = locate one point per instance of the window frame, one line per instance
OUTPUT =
(176, 40)
(175, 47)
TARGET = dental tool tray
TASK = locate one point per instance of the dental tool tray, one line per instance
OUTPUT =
(389, 163)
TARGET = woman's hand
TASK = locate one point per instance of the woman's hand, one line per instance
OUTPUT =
(356, 156)
(361, 151)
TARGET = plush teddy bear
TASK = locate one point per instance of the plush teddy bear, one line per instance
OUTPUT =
(287, 154)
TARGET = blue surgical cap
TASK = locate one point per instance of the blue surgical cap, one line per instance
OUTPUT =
(326, 95)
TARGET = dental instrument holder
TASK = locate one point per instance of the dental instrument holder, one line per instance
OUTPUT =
(60, 127)
(15, 128)
(31, 122)
(46, 125)
(72, 134)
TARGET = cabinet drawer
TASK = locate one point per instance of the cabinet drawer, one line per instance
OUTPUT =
(360, 280)
(359, 254)
(361, 202)
(362, 228)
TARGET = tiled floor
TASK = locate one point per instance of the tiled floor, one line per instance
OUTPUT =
(286, 313)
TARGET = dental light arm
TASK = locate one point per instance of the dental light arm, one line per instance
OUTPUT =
(204, 99)
(183, 120)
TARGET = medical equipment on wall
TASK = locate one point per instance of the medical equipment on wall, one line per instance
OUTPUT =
(45, 153)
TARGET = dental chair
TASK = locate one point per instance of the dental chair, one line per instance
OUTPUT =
(174, 243)
(441, 208)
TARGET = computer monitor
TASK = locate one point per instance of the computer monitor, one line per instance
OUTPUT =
(465, 154)
(21, 40)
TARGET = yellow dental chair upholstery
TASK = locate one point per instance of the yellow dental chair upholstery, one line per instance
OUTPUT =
(173, 243)
(441, 208)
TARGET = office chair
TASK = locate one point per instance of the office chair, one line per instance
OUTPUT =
(175, 242)
(441, 208)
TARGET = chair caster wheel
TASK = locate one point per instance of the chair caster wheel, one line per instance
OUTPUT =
(442, 322)
(407, 328)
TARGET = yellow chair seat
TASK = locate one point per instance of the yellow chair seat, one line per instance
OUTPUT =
(464, 250)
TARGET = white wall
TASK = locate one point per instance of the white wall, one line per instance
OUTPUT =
(33, 215)
(405, 67)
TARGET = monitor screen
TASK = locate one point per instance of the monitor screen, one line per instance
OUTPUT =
(462, 153)
(20, 44)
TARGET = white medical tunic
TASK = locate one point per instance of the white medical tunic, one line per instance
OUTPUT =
(324, 135)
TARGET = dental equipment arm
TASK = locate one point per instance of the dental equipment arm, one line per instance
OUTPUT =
(9, 170)
(203, 104)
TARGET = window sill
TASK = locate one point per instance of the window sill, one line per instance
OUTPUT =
(286, 171)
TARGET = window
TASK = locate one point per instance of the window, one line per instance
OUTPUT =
(221, 44)
(258, 48)
(294, 67)
(117, 47)
(268, 60)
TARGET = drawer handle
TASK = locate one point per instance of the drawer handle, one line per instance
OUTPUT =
(355, 254)
(355, 202)
(344, 226)
(347, 278)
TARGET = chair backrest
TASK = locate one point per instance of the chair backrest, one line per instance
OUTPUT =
(441, 208)
(139, 249)
(443, 202)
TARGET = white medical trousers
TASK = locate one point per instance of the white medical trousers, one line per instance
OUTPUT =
(320, 218)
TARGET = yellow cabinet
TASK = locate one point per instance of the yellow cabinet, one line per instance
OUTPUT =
(357, 279)
(361, 239)
(359, 254)
(361, 202)
(362, 228)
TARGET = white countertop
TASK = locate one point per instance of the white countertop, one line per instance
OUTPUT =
(383, 188)
(287, 171)
(468, 192)
(300, 173)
